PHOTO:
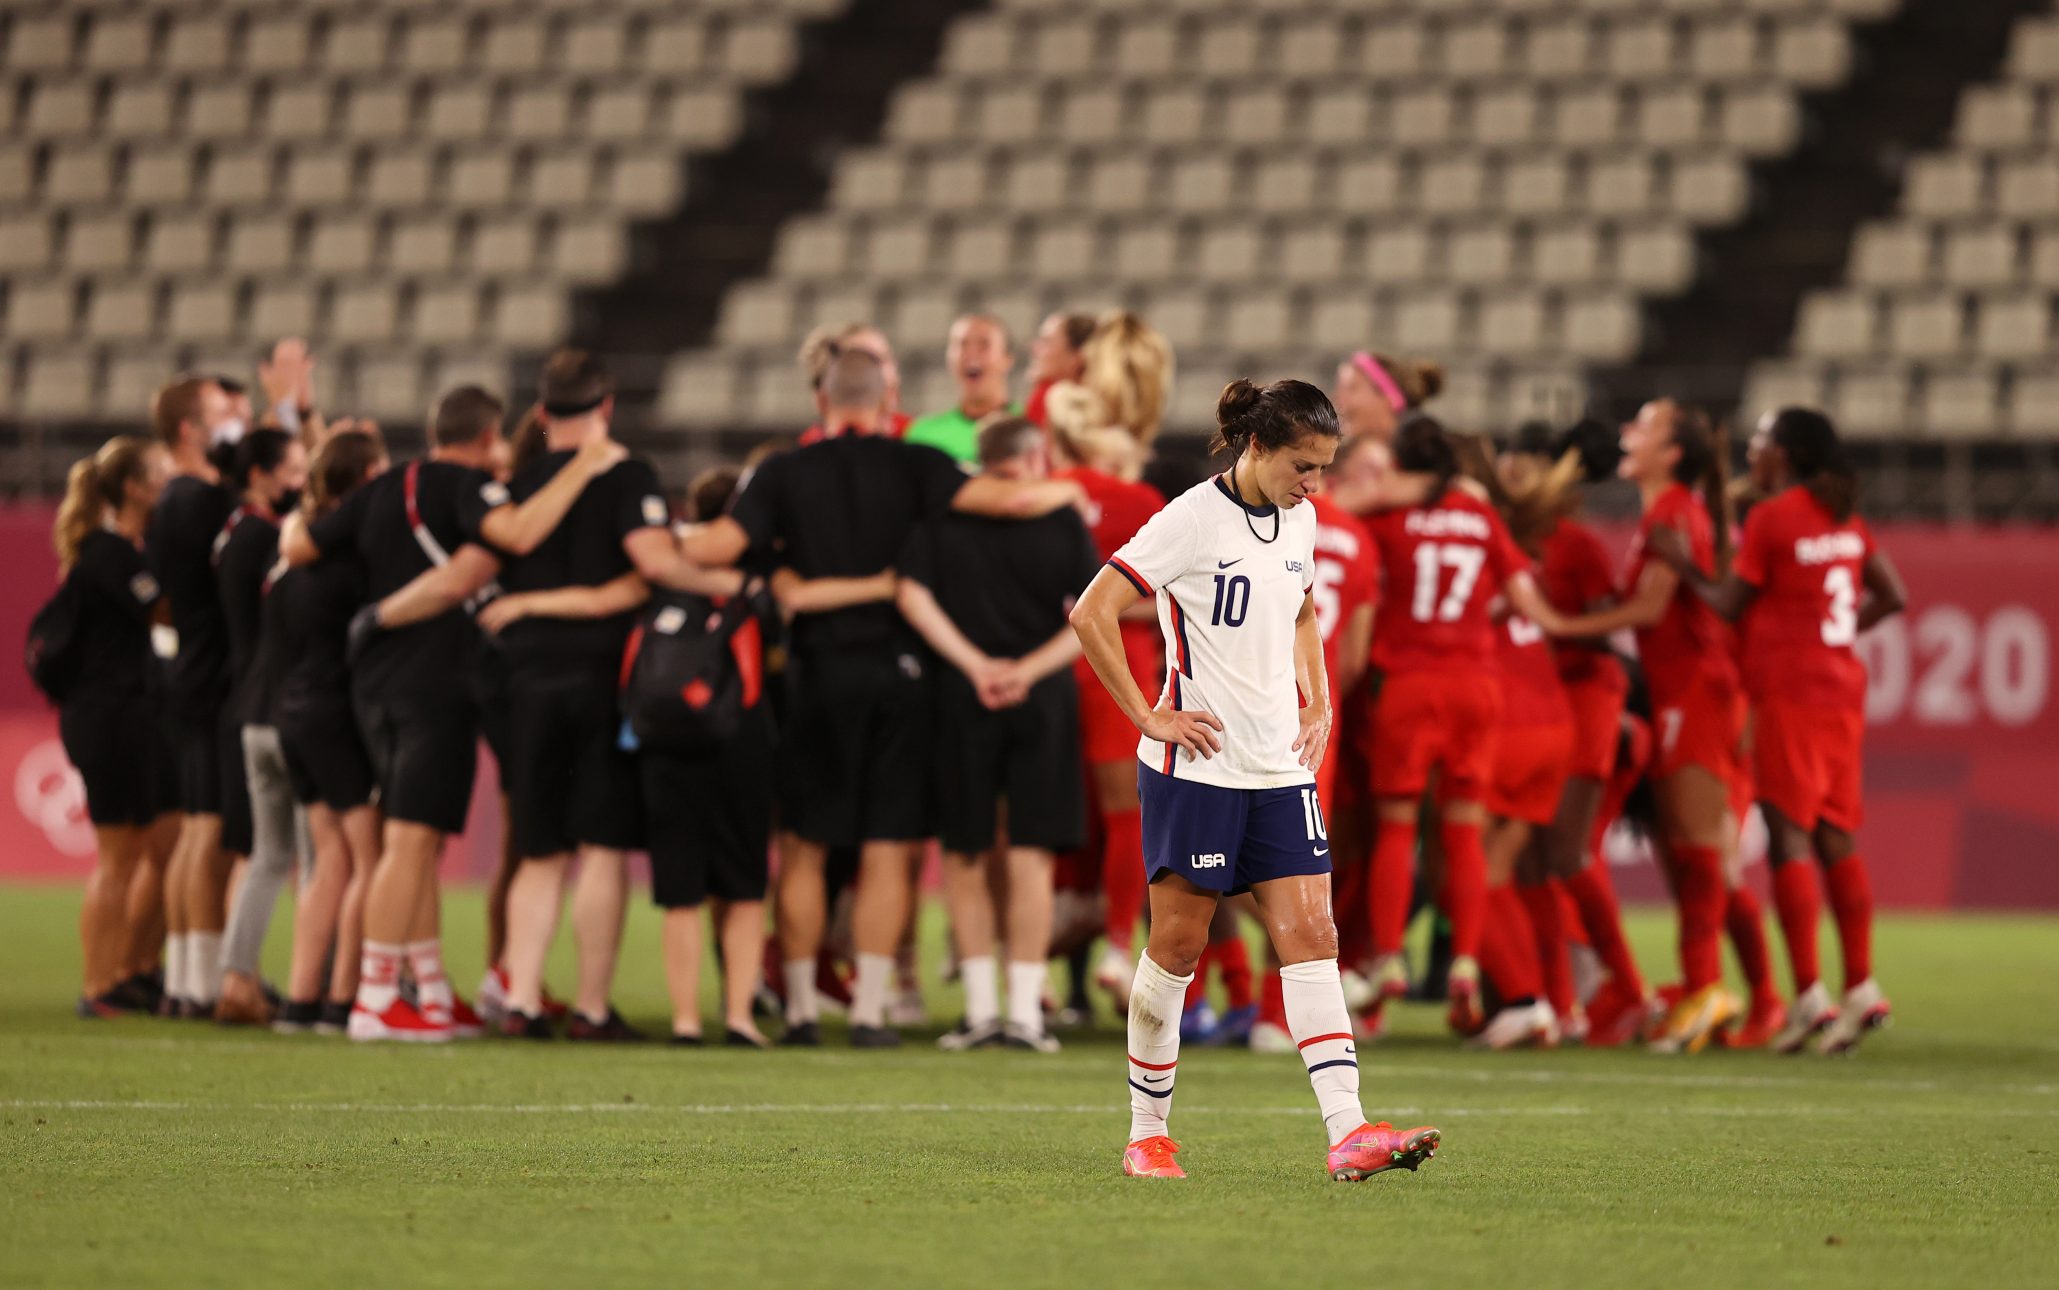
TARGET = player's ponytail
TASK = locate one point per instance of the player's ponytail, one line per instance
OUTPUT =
(346, 461)
(1704, 465)
(1406, 385)
(1422, 447)
(1271, 416)
(95, 486)
(1816, 459)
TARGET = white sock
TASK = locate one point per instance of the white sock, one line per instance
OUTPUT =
(204, 966)
(982, 977)
(869, 991)
(1321, 1026)
(801, 1007)
(432, 987)
(378, 977)
(175, 965)
(1026, 996)
(1156, 998)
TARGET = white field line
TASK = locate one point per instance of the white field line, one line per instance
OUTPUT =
(913, 1108)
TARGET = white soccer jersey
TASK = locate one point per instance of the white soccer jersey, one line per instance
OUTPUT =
(1227, 604)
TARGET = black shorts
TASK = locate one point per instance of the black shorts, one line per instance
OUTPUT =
(196, 745)
(854, 755)
(236, 824)
(708, 819)
(489, 682)
(325, 757)
(125, 776)
(423, 749)
(568, 780)
(1027, 756)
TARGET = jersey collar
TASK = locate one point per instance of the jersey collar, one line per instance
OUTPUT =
(1222, 485)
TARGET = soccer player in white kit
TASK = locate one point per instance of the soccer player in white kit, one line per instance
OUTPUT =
(1228, 758)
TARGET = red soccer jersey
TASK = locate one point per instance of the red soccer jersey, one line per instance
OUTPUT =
(1690, 642)
(1575, 574)
(1809, 572)
(1441, 565)
(1531, 692)
(1347, 573)
(1116, 508)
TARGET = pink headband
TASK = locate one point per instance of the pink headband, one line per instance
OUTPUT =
(1382, 382)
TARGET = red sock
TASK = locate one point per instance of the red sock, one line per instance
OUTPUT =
(1233, 960)
(1594, 895)
(1393, 881)
(1122, 875)
(1508, 949)
(1798, 898)
(1569, 915)
(1465, 887)
(1541, 903)
(1350, 906)
(1197, 989)
(1746, 922)
(1272, 999)
(1702, 901)
(1851, 903)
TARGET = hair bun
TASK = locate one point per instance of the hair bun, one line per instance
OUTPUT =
(1240, 398)
(1429, 380)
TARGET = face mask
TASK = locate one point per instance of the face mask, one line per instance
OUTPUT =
(288, 501)
(229, 431)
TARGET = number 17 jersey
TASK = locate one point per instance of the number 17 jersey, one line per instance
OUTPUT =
(1441, 565)
(1228, 601)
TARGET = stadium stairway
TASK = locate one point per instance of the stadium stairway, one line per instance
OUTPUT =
(1909, 68)
(681, 266)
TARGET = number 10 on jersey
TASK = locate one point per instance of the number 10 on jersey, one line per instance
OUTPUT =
(1232, 600)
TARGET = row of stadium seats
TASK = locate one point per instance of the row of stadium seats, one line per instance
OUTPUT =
(437, 243)
(358, 40)
(1806, 48)
(1648, 255)
(514, 109)
(1945, 323)
(629, 180)
(1446, 8)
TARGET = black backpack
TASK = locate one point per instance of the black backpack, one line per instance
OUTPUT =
(51, 652)
(694, 670)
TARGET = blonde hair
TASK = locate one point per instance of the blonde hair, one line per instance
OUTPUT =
(95, 486)
(1419, 379)
(1082, 431)
(820, 347)
(1129, 365)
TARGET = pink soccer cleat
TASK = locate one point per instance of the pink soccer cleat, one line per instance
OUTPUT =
(1375, 1148)
(1152, 1158)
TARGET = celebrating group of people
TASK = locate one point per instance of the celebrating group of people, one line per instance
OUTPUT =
(1370, 668)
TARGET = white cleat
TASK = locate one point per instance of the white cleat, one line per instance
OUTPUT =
(1813, 1010)
(1269, 1038)
(491, 1003)
(906, 1008)
(1865, 1008)
(1115, 975)
(1028, 1040)
(1358, 989)
(1532, 1026)
(964, 1037)
(1588, 972)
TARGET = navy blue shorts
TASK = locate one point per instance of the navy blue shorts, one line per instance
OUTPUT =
(1229, 840)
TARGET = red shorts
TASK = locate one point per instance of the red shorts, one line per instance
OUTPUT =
(1347, 769)
(1531, 764)
(1701, 726)
(1597, 727)
(1807, 762)
(1105, 733)
(1427, 721)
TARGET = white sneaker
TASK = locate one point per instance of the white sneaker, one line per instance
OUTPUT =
(1269, 1038)
(1813, 1009)
(1865, 1008)
(1358, 989)
(1533, 1026)
(1115, 974)
(1036, 1041)
(491, 1003)
(906, 1008)
(1588, 972)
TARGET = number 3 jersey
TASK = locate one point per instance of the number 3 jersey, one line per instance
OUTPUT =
(1441, 566)
(1808, 569)
(1228, 600)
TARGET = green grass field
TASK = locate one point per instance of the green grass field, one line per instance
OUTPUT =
(138, 1153)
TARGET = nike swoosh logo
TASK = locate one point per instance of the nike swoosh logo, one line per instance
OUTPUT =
(1224, 564)
(1325, 851)
(1351, 1050)
(1156, 1080)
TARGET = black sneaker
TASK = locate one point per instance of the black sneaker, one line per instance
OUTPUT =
(686, 1041)
(171, 1007)
(805, 1034)
(297, 1018)
(874, 1037)
(132, 995)
(516, 1024)
(334, 1018)
(609, 1030)
(98, 1007)
(734, 1038)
